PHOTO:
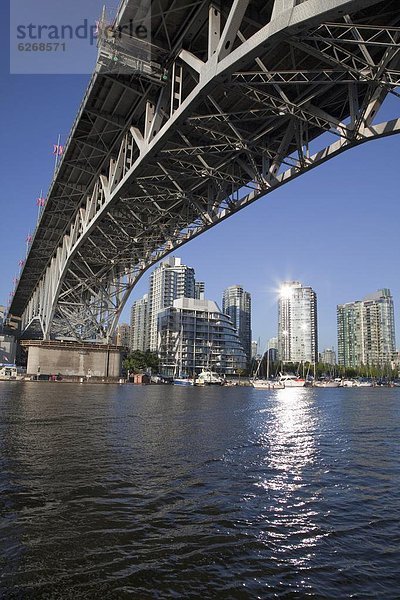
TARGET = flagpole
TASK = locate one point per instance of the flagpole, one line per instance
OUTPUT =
(57, 153)
(28, 241)
(39, 203)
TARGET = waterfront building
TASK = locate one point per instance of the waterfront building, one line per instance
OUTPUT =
(139, 317)
(8, 349)
(195, 335)
(366, 331)
(297, 323)
(328, 357)
(199, 290)
(395, 364)
(254, 349)
(123, 335)
(168, 282)
(236, 303)
(2, 316)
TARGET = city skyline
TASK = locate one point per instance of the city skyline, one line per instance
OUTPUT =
(276, 292)
(297, 317)
(318, 228)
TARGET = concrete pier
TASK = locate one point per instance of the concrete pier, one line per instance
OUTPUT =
(72, 359)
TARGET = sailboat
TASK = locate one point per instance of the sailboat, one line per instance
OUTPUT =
(328, 382)
(265, 384)
(207, 376)
(179, 378)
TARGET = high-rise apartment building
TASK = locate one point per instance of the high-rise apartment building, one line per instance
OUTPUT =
(169, 281)
(139, 316)
(350, 336)
(366, 331)
(273, 349)
(328, 357)
(2, 315)
(195, 335)
(236, 303)
(297, 323)
(123, 335)
(199, 290)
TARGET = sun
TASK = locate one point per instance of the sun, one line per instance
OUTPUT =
(285, 292)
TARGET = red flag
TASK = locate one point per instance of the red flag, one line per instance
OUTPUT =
(58, 150)
(40, 202)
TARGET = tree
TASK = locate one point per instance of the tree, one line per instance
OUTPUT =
(240, 372)
(140, 362)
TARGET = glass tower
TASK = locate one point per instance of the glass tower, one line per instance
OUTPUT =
(139, 324)
(297, 323)
(236, 303)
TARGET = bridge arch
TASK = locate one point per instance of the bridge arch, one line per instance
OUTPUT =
(233, 117)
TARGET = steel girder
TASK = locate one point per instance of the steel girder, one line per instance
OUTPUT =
(251, 85)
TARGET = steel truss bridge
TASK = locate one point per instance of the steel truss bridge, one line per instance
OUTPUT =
(232, 109)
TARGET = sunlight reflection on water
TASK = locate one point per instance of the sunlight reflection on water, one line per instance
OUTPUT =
(288, 430)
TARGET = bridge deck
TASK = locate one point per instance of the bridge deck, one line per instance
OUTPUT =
(269, 98)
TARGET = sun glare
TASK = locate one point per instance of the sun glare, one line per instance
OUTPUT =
(285, 292)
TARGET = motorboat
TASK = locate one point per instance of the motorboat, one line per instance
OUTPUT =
(290, 381)
(8, 372)
(183, 381)
(348, 383)
(209, 378)
(364, 383)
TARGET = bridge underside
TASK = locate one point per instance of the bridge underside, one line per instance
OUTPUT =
(246, 90)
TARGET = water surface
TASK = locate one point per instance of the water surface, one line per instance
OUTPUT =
(166, 492)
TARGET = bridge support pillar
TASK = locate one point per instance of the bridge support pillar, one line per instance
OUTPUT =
(73, 359)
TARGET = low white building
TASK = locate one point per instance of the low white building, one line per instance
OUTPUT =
(195, 335)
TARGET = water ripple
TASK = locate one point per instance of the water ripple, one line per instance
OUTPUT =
(125, 492)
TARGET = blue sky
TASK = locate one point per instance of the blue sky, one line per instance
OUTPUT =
(336, 228)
